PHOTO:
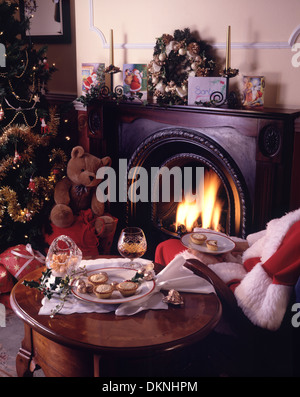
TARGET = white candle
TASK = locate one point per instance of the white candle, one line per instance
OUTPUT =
(228, 49)
(111, 47)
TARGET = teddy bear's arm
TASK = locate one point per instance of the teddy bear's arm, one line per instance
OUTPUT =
(61, 192)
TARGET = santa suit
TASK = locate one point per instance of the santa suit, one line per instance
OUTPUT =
(264, 279)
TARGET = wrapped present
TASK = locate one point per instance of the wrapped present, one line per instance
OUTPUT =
(21, 260)
(6, 280)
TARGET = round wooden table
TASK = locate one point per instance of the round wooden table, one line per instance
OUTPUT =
(94, 344)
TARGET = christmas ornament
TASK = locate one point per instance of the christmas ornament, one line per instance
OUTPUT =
(173, 298)
(44, 126)
(17, 157)
(31, 185)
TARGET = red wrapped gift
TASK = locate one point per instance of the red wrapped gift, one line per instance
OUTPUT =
(21, 259)
(6, 280)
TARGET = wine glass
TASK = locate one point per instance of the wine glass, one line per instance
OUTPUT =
(132, 244)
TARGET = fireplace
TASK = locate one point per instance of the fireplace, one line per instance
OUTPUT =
(251, 154)
(187, 148)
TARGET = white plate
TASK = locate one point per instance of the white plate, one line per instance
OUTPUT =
(225, 244)
(115, 274)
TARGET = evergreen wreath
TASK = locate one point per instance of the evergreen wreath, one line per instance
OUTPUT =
(175, 59)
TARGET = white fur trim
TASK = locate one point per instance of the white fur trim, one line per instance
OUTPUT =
(228, 271)
(255, 250)
(270, 241)
(262, 302)
(252, 238)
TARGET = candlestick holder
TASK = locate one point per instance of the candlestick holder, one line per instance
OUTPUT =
(111, 70)
(229, 73)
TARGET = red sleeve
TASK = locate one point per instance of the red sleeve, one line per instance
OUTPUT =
(167, 250)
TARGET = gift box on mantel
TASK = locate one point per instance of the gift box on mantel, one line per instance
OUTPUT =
(21, 260)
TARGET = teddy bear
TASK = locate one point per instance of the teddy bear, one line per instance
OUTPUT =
(77, 192)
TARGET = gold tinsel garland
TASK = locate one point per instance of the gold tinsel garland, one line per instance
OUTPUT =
(43, 187)
(42, 192)
(24, 133)
(9, 201)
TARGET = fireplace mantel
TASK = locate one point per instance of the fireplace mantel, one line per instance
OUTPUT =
(276, 133)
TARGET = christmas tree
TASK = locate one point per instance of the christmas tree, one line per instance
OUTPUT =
(30, 161)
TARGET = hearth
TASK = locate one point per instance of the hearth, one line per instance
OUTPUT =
(251, 153)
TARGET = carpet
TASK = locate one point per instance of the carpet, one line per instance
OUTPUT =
(11, 336)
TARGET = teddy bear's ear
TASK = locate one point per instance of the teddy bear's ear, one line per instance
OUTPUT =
(106, 161)
(77, 151)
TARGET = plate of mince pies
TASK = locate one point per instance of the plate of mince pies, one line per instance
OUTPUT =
(208, 242)
(111, 285)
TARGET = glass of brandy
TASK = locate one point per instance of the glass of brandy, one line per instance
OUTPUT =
(132, 244)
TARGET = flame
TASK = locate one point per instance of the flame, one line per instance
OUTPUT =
(188, 212)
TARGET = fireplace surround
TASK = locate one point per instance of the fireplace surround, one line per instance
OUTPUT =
(254, 153)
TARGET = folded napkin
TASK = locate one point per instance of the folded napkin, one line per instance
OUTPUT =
(173, 276)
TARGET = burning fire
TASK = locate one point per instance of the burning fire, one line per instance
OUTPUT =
(189, 212)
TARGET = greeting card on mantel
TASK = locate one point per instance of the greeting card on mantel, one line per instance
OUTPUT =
(253, 91)
(202, 89)
(135, 80)
(92, 75)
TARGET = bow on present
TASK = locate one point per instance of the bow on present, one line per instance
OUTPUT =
(31, 256)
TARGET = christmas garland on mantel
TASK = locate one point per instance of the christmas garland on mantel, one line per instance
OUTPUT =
(175, 59)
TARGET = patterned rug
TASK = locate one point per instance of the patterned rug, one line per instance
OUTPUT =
(11, 335)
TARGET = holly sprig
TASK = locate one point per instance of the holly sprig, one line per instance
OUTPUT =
(59, 285)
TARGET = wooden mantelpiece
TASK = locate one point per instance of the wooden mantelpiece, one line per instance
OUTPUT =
(276, 133)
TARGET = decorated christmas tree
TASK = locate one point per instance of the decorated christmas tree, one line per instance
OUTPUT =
(30, 161)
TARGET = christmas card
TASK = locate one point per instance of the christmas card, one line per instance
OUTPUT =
(206, 89)
(92, 76)
(135, 81)
(253, 91)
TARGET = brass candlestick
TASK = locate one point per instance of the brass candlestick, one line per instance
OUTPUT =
(228, 72)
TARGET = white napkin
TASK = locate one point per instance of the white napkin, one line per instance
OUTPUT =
(173, 276)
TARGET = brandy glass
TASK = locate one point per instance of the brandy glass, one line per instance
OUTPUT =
(132, 244)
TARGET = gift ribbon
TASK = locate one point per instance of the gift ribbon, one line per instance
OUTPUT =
(33, 255)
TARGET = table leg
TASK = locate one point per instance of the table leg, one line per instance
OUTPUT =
(25, 355)
(104, 366)
(96, 366)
